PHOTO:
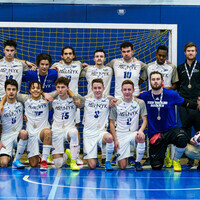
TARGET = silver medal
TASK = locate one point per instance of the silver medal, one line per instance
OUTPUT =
(158, 118)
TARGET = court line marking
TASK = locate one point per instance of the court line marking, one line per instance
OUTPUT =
(55, 183)
(25, 178)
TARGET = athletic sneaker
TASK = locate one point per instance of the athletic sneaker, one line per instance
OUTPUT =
(78, 160)
(17, 164)
(103, 160)
(168, 161)
(177, 165)
(108, 166)
(73, 166)
(26, 161)
(50, 160)
(69, 158)
(43, 165)
(113, 162)
(97, 165)
(138, 166)
(131, 161)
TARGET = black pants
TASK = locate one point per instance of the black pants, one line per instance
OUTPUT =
(157, 152)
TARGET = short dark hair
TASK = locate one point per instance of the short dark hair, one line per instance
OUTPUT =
(43, 56)
(162, 47)
(97, 80)
(73, 51)
(156, 72)
(190, 44)
(126, 44)
(11, 43)
(11, 82)
(100, 50)
(62, 80)
(38, 82)
(128, 82)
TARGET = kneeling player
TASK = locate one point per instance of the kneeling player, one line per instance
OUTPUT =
(63, 126)
(126, 115)
(95, 125)
(12, 122)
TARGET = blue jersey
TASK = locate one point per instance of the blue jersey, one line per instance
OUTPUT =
(166, 101)
(47, 82)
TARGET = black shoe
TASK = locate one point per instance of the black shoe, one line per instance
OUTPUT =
(131, 161)
(198, 167)
(147, 162)
(138, 166)
(103, 160)
(190, 162)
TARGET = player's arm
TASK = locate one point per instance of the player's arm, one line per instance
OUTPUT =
(28, 65)
(113, 132)
(2, 102)
(83, 73)
(140, 132)
(144, 75)
(1, 144)
(49, 97)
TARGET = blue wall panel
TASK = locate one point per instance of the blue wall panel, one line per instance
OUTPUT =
(6, 13)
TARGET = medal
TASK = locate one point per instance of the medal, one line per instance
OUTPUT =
(14, 129)
(34, 126)
(158, 118)
(99, 126)
(189, 86)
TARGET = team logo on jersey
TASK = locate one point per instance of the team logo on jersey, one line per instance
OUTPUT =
(73, 66)
(133, 107)
(117, 155)
(85, 154)
(70, 102)
(165, 70)
(196, 70)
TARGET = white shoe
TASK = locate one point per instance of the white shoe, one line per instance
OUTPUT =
(79, 161)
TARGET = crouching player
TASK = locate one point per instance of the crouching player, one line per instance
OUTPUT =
(95, 125)
(12, 133)
(126, 115)
(63, 126)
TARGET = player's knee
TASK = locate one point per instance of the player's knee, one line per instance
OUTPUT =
(4, 164)
(47, 133)
(122, 166)
(58, 162)
(181, 141)
(73, 133)
(92, 165)
(23, 134)
(109, 139)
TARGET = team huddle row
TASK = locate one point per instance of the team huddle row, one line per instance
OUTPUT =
(157, 105)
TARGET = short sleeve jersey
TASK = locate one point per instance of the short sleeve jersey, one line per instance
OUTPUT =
(72, 72)
(47, 80)
(126, 71)
(64, 113)
(11, 70)
(166, 101)
(169, 72)
(12, 118)
(36, 111)
(96, 115)
(127, 115)
(105, 73)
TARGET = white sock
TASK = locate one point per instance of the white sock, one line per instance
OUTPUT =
(178, 153)
(20, 149)
(64, 158)
(109, 151)
(73, 134)
(74, 150)
(46, 151)
(140, 151)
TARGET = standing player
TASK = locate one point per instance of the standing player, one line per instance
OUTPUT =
(37, 111)
(95, 126)
(12, 122)
(162, 126)
(98, 71)
(11, 68)
(63, 126)
(189, 84)
(170, 79)
(71, 68)
(126, 116)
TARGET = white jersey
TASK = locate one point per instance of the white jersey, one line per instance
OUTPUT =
(11, 70)
(126, 71)
(37, 113)
(12, 118)
(72, 72)
(127, 115)
(64, 113)
(169, 72)
(92, 72)
(96, 115)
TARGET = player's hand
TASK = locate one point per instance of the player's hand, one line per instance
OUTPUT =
(77, 103)
(116, 145)
(32, 65)
(2, 145)
(140, 137)
(25, 118)
(48, 97)
(192, 141)
(55, 68)
(112, 103)
(134, 59)
(168, 62)
(84, 65)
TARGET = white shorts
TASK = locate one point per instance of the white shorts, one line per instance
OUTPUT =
(58, 139)
(90, 145)
(33, 144)
(9, 141)
(124, 143)
(78, 116)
